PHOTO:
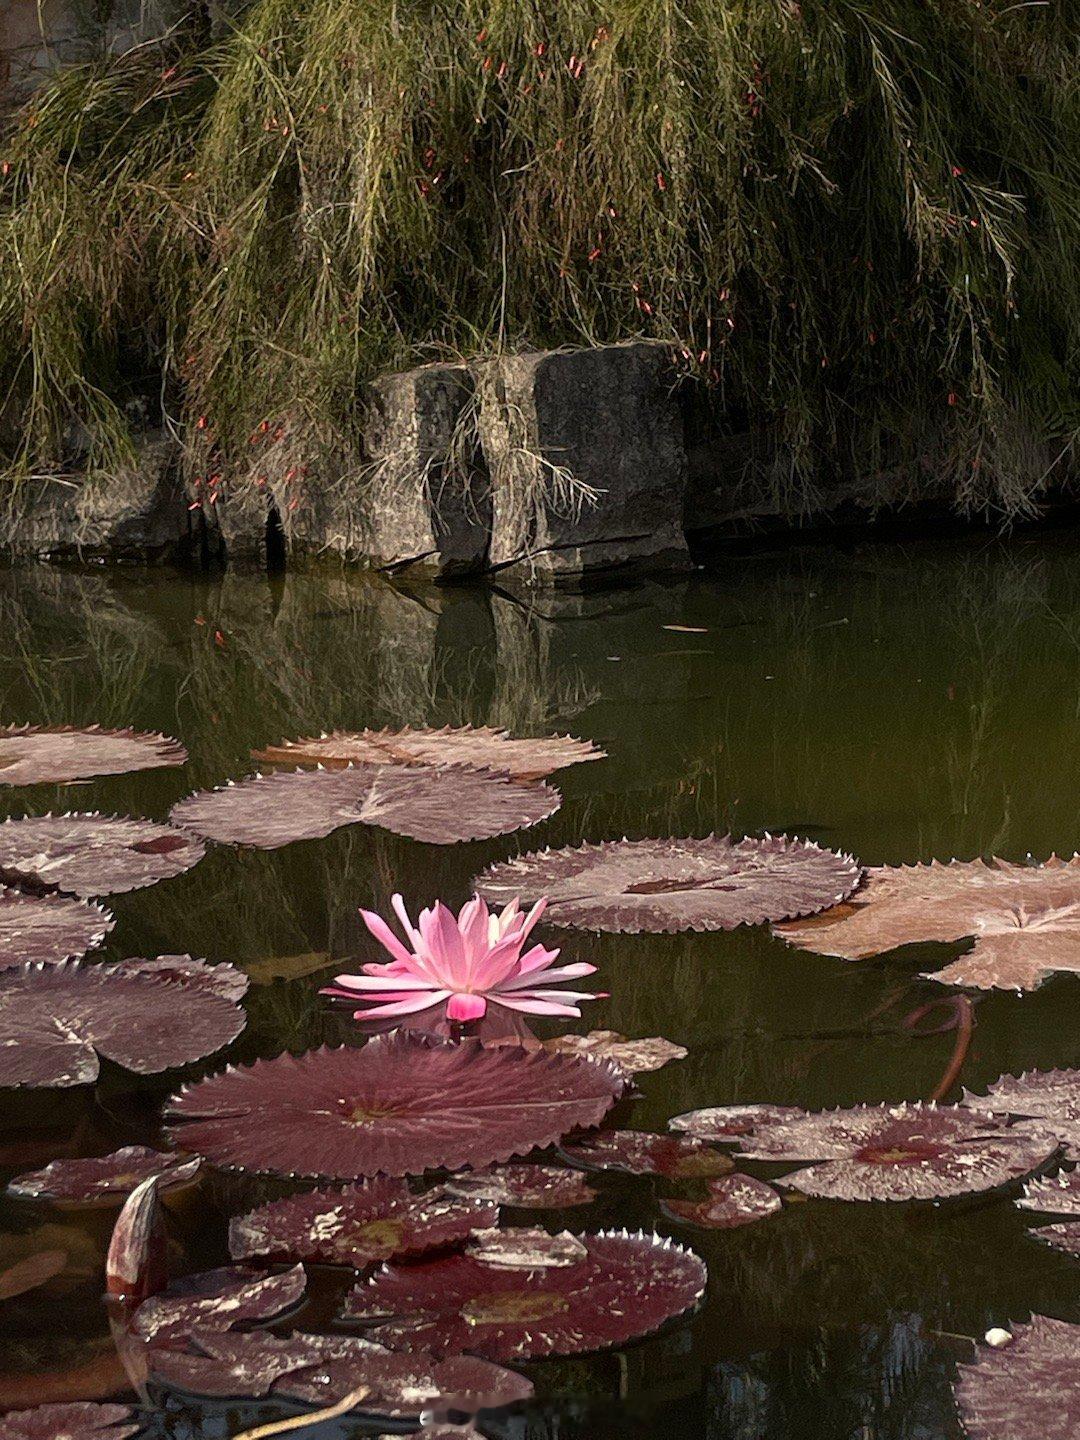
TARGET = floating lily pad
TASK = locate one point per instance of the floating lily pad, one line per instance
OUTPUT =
(636, 1152)
(901, 1152)
(401, 1104)
(357, 1226)
(55, 754)
(103, 1178)
(635, 1057)
(667, 885)
(1025, 1390)
(626, 1287)
(528, 1187)
(1025, 919)
(81, 1420)
(728, 1124)
(55, 1020)
(48, 928)
(441, 805)
(479, 746)
(1053, 1195)
(321, 1369)
(1064, 1236)
(224, 980)
(1050, 1096)
(94, 854)
(525, 1248)
(217, 1300)
(733, 1200)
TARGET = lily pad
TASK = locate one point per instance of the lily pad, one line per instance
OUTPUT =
(1064, 1236)
(731, 1124)
(103, 1179)
(441, 806)
(55, 1020)
(1050, 1096)
(668, 885)
(635, 1057)
(81, 1420)
(902, 1152)
(94, 854)
(224, 980)
(48, 928)
(320, 1369)
(626, 1287)
(1025, 919)
(637, 1152)
(217, 1300)
(527, 1187)
(55, 754)
(401, 1104)
(525, 1248)
(479, 746)
(733, 1200)
(1025, 1390)
(1053, 1195)
(357, 1226)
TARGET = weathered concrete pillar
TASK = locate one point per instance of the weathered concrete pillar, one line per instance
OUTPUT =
(587, 463)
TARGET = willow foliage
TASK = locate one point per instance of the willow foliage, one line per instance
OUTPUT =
(857, 221)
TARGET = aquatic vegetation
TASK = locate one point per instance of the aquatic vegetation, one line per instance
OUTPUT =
(626, 1286)
(1053, 1195)
(901, 1152)
(636, 1152)
(441, 805)
(733, 1200)
(47, 929)
(1025, 1390)
(479, 746)
(525, 1248)
(731, 1124)
(320, 1368)
(81, 1420)
(136, 1265)
(59, 1256)
(635, 1057)
(1052, 1097)
(1025, 919)
(1063, 1236)
(34, 1270)
(660, 886)
(224, 980)
(399, 1105)
(94, 854)
(465, 962)
(528, 1187)
(357, 1226)
(103, 1179)
(144, 1022)
(217, 1300)
(54, 754)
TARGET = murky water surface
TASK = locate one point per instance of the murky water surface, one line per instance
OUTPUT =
(899, 701)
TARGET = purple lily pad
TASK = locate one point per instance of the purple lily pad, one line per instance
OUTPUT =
(54, 754)
(357, 1226)
(224, 980)
(902, 1152)
(1053, 1195)
(733, 1200)
(321, 1369)
(401, 1104)
(1025, 1390)
(635, 1057)
(1050, 1096)
(1064, 1236)
(441, 806)
(48, 928)
(55, 1020)
(527, 1187)
(731, 1124)
(637, 1152)
(525, 1248)
(94, 854)
(80, 1420)
(103, 1178)
(217, 1300)
(626, 1287)
(662, 886)
(478, 746)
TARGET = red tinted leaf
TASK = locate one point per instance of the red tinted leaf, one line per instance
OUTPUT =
(628, 1286)
(528, 1187)
(53, 754)
(28, 1274)
(94, 854)
(135, 1267)
(218, 1300)
(1064, 1236)
(636, 1152)
(103, 1178)
(188, 973)
(525, 1248)
(679, 884)
(1054, 1195)
(401, 1104)
(728, 1124)
(48, 928)
(733, 1200)
(1050, 1096)
(1025, 1390)
(79, 1421)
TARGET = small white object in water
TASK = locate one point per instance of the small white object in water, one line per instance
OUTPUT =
(998, 1338)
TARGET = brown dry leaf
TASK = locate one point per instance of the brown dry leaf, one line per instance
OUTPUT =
(1025, 919)
(28, 1274)
(287, 967)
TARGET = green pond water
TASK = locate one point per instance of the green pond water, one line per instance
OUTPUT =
(899, 701)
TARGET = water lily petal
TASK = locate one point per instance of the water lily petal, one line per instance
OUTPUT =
(410, 1006)
(466, 1007)
(385, 936)
(563, 972)
(536, 1007)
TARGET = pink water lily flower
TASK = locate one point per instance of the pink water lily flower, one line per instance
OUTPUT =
(467, 962)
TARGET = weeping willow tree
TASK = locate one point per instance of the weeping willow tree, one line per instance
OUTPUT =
(856, 222)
